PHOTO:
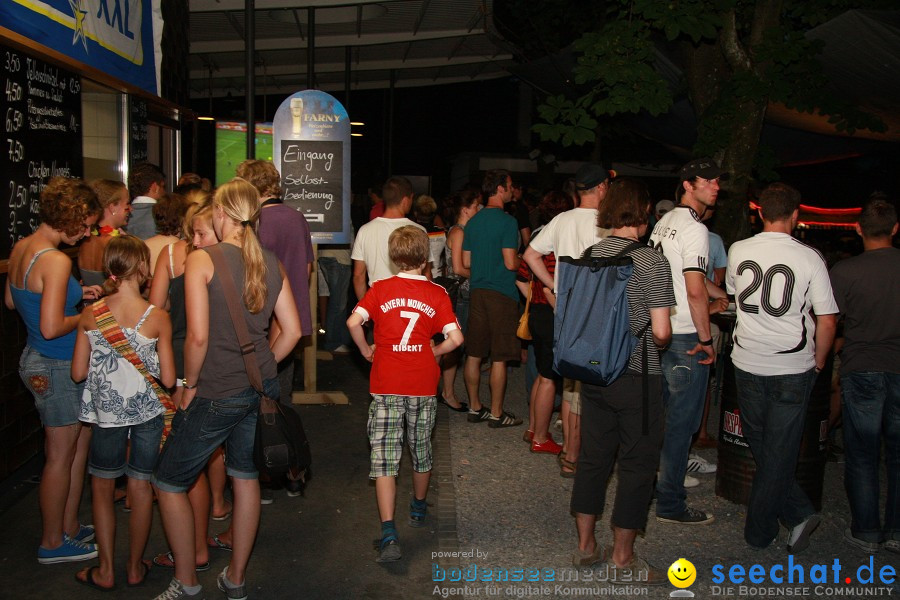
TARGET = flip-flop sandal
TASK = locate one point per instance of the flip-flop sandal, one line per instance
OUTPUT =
(216, 542)
(167, 561)
(146, 564)
(90, 582)
(224, 517)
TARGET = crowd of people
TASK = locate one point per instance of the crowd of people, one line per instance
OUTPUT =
(130, 380)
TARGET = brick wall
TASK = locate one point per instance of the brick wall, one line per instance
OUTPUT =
(21, 435)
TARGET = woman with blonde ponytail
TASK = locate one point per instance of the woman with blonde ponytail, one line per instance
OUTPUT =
(218, 403)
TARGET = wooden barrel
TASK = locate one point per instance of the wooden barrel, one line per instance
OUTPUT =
(736, 468)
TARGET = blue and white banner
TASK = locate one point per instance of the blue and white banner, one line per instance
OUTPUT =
(119, 37)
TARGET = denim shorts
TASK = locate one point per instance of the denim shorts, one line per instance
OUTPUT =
(56, 397)
(204, 426)
(110, 457)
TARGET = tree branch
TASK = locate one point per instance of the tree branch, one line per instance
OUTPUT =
(734, 51)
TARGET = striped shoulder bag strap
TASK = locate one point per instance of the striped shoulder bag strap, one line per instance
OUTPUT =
(113, 333)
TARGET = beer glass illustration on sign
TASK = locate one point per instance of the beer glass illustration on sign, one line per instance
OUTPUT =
(296, 114)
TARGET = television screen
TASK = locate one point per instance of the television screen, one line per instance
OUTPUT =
(231, 146)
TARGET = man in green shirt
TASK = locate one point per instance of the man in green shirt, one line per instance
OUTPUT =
(490, 250)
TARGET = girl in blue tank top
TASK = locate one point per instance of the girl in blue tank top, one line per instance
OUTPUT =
(40, 286)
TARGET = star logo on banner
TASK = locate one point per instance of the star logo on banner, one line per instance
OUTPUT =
(79, 14)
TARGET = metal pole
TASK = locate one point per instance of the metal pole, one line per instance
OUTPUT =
(390, 120)
(311, 49)
(347, 57)
(250, 73)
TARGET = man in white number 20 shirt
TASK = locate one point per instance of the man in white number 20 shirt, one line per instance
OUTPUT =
(779, 348)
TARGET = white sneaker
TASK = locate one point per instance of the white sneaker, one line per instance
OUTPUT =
(690, 482)
(698, 464)
(176, 591)
(799, 538)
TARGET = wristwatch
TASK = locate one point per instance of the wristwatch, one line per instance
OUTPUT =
(185, 385)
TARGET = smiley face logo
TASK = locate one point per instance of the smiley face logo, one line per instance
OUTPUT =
(682, 573)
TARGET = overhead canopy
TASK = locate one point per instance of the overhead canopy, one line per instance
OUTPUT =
(420, 42)
(862, 60)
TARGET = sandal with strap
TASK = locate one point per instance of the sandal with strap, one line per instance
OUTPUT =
(388, 548)
(567, 464)
(417, 516)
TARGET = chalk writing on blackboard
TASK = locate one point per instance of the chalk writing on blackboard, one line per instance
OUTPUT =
(312, 181)
(42, 135)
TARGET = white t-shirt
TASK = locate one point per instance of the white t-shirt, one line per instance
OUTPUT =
(569, 234)
(776, 280)
(684, 241)
(371, 247)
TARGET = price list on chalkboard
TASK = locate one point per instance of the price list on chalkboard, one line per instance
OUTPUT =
(312, 179)
(42, 137)
(137, 123)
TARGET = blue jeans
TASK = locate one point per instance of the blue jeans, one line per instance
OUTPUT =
(131, 450)
(871, 403)
(773, 411)
(684, 394)
(337, 276)
(56, 397)
(204, 426)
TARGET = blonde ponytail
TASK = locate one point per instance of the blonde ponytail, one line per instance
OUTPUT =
(254, 271)
(240, 202)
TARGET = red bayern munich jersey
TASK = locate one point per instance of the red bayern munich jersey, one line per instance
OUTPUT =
(408, 311)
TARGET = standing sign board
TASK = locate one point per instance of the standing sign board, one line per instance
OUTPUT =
(42, 105)
(311, 133)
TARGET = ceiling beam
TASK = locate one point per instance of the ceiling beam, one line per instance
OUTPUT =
(331, 41)
(338, 67)
(236, 25)
(284, 86)
(421, 16)
(198, 6)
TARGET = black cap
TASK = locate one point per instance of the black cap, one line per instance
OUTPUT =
(590, 175)
(701, 167)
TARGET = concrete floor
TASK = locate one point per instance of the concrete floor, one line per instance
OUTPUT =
(489, 496)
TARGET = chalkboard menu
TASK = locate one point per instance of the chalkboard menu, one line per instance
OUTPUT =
(312, 178)
(137, 127)
(311, 139)
(42, 127)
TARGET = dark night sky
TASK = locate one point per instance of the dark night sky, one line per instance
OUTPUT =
(432, 124)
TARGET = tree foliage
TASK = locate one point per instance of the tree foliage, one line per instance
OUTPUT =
(736, 57)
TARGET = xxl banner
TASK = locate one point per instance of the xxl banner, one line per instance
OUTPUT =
(311, 148)
(119, 37)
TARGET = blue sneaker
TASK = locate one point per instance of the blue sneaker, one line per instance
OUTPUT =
(85, 534)
(70, 551)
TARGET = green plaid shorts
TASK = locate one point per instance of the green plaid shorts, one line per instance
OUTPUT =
(385, 428)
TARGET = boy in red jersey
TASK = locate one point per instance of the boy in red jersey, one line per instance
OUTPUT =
(408, 311)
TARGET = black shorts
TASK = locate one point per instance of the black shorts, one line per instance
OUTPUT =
(540, 323)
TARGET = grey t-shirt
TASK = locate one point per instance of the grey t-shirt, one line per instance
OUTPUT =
(223, 373)
(867, 291)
